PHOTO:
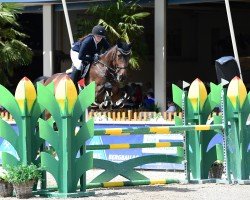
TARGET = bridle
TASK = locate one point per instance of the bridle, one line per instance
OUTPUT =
(114, 70)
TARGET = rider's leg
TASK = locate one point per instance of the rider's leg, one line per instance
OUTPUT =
(77, 69)
(75, 75)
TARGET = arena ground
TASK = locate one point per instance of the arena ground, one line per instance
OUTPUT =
(209, 191)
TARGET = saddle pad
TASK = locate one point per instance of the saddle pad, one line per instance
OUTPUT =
(81, 82)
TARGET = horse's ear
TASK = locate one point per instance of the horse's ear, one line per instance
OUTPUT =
(130, 45)
(124, 47)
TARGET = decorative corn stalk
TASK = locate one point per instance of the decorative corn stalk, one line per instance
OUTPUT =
(66, 108)
(25, 111)
(239, 135)
(197, 106)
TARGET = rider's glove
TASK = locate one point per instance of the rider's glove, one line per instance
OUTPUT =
(96, 57)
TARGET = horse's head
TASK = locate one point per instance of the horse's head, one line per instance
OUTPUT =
(112, 65)
(121, 60)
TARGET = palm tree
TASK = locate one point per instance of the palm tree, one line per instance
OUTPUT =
(13, 52)
(121, 19)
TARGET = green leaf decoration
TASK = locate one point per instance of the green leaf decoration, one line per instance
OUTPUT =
(47, 133)
(213, 100)
(8, 134)
(50, 164)
(51, 87)
(35, 114)
(86, 132)
(9, 160)
(85, 99)
(82, 168)
(48, 101)
(216, 92)
(177, 95)
(8, 101)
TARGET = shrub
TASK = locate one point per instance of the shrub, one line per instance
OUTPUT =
(23, 173)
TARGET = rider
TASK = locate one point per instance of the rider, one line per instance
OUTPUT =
(86, 50)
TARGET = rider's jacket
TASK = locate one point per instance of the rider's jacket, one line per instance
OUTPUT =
(87, 48)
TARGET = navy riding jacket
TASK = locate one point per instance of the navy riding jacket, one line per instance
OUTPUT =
(87, 48)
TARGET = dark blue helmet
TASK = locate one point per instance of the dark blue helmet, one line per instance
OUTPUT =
(99, 30)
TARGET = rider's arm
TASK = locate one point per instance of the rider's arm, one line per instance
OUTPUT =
(84, 49)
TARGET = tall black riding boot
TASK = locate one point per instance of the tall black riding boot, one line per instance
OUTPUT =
(75, 76)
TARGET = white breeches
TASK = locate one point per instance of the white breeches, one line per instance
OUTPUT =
(75, 60)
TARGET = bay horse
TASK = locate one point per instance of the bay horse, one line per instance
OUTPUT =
(111, 68)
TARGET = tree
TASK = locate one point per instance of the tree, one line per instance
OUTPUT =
(13, 52)
(121, 20)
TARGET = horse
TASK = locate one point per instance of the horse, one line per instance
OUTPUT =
(108, 72)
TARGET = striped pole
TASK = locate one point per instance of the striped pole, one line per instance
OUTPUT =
(156, 130)
(119, 184)
(132, 183)
(134, 146)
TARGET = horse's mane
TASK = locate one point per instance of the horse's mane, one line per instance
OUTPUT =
(122, 47)
(106, 54)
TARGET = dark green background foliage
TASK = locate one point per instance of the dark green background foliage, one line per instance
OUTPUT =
(122, 20)
(13, 52)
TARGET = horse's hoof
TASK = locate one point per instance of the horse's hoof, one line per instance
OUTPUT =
(95, 104)
(117, 104)
(105, 103)
(121, 106)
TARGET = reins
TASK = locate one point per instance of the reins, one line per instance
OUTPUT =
(113, 70)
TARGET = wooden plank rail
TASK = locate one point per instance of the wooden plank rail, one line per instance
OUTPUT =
(122, 115)
(136, 115)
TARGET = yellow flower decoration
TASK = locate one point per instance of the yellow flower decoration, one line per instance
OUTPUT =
(25, 92)
(66, 94)
(237, 90)
(197, 94)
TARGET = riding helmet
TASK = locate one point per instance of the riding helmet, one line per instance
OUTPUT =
(99, 30)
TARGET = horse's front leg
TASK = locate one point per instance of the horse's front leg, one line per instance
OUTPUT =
(99, 93)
